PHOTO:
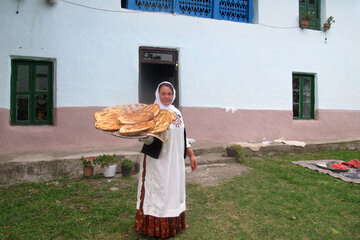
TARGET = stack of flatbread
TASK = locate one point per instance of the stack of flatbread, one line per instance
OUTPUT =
(147, 120)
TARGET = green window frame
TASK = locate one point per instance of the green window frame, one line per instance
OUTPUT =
(303, 90)
(312, 6)
(31, 92)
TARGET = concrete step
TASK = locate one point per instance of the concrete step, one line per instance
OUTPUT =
(16, 167)
(201, 148)
(46, 168)
(43, 167)
(311, 146)
(211, 158)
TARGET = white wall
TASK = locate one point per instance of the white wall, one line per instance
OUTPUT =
(222, 63)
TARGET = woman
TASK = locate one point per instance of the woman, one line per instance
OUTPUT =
(161, 190)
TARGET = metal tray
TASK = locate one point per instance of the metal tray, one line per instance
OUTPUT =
(164, 136)
(327, 166)
(116, 134)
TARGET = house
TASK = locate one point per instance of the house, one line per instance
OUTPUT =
(243, 69)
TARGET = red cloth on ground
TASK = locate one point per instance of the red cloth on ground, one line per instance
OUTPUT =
(355, 163)
(338, 166)
(156, 226)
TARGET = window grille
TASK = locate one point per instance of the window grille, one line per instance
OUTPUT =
(231, 10)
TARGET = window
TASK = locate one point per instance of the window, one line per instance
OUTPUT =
(231, 10)
(303, 96)
(312, 6)
(31, 92)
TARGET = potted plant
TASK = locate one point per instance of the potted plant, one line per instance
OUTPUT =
(328, 23)
(88, 165)
(126, 167)
(306, 18)
(108, 163)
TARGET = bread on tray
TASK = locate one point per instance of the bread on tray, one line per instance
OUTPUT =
(134, 120)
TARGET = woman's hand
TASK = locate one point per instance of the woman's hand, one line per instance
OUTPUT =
(147, 140)
(192, 158)
(193, 163)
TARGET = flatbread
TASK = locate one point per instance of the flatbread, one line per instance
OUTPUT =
(154, 108)
(108, 125)
(136, 129)
(109, 114)
(141, 115)
(162, 121)
(136, 117)
(107, 119)
(173, 115)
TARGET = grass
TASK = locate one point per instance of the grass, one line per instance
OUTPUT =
(276, 200)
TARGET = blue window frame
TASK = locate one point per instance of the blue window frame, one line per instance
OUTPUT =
(231, 10)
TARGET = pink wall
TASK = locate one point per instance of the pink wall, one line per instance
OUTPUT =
(217, 125)
(74, 128)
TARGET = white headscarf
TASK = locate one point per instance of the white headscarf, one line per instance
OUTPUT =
(162, 106)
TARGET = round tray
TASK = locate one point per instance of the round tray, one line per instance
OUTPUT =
(163, 136)
(116, 134)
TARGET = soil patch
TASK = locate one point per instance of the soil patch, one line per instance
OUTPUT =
(213, 174)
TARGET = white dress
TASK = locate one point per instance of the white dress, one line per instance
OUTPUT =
(165, 177)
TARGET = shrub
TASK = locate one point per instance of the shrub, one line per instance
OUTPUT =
(126, 163)
(105, 160)
(235, 151)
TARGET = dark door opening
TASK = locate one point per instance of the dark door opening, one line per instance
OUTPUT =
(157, 65)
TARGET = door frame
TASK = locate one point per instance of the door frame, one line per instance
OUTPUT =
(173, 61)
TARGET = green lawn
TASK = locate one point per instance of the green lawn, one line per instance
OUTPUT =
(276, 200)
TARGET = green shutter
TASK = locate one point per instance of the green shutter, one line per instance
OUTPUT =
(314, 7)
(31, 92)
(303, 96)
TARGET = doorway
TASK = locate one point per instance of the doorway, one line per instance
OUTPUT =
(157, 65)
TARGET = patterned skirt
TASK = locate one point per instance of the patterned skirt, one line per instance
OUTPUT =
(156, 226)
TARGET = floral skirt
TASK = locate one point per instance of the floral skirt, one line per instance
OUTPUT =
(156, 226)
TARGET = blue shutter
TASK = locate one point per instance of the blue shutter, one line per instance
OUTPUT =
(230, 10)
(234, 10)
(151, 5)
(198, 8)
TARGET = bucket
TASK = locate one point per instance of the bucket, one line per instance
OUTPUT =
(110, 171)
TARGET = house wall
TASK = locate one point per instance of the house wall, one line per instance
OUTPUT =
(223, 65)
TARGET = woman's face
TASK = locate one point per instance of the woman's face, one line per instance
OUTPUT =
(166, 95)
